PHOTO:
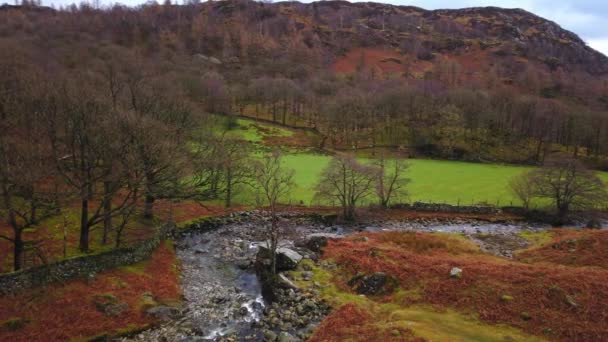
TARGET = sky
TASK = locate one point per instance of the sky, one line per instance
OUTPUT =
(583, 17)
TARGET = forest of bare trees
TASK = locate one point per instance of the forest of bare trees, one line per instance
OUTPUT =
(255, 59)
(102, 108)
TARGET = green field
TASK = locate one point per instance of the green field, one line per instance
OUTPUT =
(431, 180)
(435, 181)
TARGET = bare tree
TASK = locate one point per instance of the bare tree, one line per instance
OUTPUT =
(523, 187)
(391, 181)
(348, 182)
(569, 185)
(221, 165)
(24, 157)
(273, 183)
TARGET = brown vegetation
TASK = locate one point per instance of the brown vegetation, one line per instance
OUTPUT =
(67, 311)
(564, 303)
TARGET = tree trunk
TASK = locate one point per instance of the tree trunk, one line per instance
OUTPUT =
(273, 247)
(118, 237)
(33, 212)
(18, 250)
(149, 206)
(228, 188)
(84, 225)
(562, 213)
(107, 211)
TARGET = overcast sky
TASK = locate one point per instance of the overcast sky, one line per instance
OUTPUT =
(584, 17)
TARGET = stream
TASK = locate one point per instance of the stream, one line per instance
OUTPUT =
(223, 297)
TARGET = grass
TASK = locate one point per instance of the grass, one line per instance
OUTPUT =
(431, 180)
(256, 132)
(434, 181)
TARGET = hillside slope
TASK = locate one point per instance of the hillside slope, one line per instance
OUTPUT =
(475, 84)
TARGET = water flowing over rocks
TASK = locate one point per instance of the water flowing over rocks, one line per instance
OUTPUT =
(223, 297)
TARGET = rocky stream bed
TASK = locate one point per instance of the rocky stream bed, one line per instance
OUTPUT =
(223, 297)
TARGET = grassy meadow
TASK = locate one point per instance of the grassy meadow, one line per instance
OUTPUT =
(431, 180)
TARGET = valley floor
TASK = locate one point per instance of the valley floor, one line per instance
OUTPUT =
(516, 282)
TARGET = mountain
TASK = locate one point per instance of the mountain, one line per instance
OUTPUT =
(306, 62)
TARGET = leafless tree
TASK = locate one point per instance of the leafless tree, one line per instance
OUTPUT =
(391, 181)
(23, 164)
(272, 183)
(347, 181)
(523, 187)
(221, 164)
(569, 184)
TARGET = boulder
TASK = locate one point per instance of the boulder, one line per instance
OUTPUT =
(163, 312)
(372, 284)
(287, 259)
(109, 305)
(147, 301)
(316, 242)
(207, 59)
(456, 273)
(286, 283)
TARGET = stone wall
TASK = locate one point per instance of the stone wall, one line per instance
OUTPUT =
(84, 266)
(448, 208)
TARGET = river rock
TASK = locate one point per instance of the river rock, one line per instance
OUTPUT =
(287, 259)
(163, 312)
(269, 336)
(316, 242)
(286, 283)
(286, 337)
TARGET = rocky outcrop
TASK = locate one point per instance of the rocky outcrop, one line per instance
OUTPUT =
(378, 283)
(316, 242)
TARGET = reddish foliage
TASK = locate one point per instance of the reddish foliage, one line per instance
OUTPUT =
(384, 61)
(188, 210)
(64, 312)
(574, 248)
(564, 303)
(355, 324)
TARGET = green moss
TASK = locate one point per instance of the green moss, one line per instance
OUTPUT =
(138, 268)
(449, 325)
(506, 298)
(537, 238)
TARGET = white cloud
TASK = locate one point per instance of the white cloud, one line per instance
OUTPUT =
(600, 45)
